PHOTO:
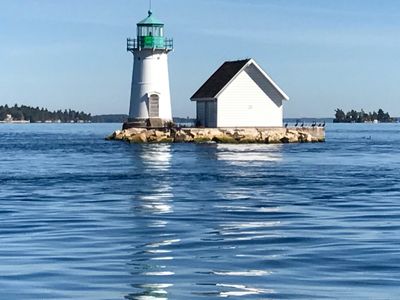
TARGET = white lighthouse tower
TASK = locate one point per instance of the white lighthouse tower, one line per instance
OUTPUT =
(150, 104)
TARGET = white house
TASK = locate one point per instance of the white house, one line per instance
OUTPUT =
(240, 94)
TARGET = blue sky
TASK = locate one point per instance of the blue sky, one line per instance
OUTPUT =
(323, 54)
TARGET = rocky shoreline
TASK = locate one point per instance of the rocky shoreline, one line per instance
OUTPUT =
(221, 135)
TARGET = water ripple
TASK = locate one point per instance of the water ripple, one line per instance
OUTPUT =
(82, 218)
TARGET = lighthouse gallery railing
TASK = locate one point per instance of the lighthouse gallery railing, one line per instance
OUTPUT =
(150, 42)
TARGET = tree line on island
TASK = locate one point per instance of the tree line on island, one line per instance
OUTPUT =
(354, 116)
(43, 115)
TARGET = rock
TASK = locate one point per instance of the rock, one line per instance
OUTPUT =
(251, 135)
(264, 136)
(292, 132)
(293, 137)
(247, 140)
(238, 135)
(284, 140)
(215, 132)
(168, 140)
(155, 139)
(202, 139)
(151, 132)
(117, 135)
(143, 137)
(183, 137)
(230, 132)
(305, 137)
(275, 138)
(138, 138)
(188, 132)
(199, 133)
(254, 132)
(154, 135)
(159, 133)
(225, 139)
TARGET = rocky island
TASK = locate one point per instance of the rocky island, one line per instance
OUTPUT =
(221, 135)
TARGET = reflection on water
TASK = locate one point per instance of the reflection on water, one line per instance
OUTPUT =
(157, 196)
(242, 231)
(150, 292)
(254, 154)
(241, 290)
(226, 290)
(151, 257)
(156, 157)
(244, 273)
(247, 209)
(223, 271)
(159, 202)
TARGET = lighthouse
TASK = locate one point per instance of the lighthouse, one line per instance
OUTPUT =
(150, 103)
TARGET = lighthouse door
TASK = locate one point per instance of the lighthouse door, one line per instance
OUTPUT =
(154, 106)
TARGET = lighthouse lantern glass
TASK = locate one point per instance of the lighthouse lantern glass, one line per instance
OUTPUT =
(151, 36)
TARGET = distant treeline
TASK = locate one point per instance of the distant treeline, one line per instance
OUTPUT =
(36, 114)
(123, 118)
(109, 118)
(187, 120)
(362, 117)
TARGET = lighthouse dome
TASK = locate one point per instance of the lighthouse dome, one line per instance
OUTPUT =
(150, 20)
(150, 33)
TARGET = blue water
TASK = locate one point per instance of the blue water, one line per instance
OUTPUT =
(82, 218)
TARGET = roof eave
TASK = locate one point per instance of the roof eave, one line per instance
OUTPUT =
(149, 23)
(203, 99)
(283, 94)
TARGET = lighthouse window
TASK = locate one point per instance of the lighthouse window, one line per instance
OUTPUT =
(150, 31)
(144, 31)
(156, 31)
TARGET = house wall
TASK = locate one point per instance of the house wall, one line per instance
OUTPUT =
(207, 113)
(250, 101)
(201, 109)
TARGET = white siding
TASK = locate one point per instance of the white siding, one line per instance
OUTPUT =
(150, 75)
(250, 101)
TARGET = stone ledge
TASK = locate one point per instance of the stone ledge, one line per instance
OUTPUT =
(221, 135)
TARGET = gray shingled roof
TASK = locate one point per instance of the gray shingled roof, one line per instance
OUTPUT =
(219, 79)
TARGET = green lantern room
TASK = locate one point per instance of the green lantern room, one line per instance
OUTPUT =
(150, 34)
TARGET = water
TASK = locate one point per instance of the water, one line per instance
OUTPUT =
(82, 218)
